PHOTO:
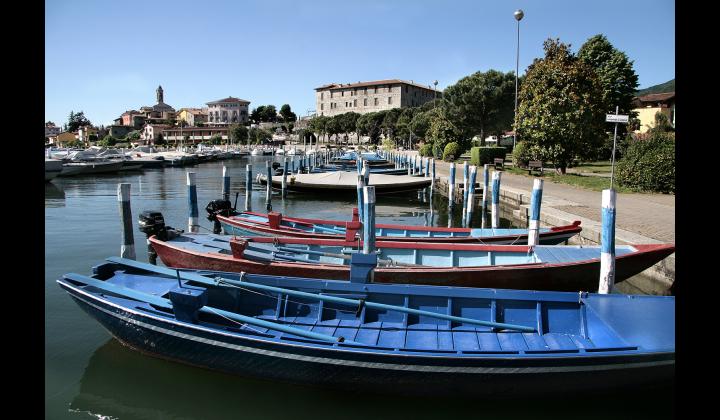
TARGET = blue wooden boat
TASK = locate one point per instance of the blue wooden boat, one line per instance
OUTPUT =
(383, 338)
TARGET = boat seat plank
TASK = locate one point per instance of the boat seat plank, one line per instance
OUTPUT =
(535, 341)
(445, 341)
(420, 336)
(582, 342)
(368, 336)
(489, 342)
(512, 341)
(465, 340)
(559, 342)
(392, 335)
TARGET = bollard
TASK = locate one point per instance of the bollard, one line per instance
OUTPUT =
(427, 167)
(268, 189)
(248, 187)
(451, 184)
(369, 220)
(495, 199)
(465, 183)
(192, 203)
(226, 184)
(360, 185)
(607, 243)
(407, 164)
(471, 195)
(127, 247)
(292, 163)
(284, 178)
(432, 181)
(535, 200)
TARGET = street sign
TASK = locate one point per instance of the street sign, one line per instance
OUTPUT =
(616, 118)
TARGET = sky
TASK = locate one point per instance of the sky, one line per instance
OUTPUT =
(104, 57)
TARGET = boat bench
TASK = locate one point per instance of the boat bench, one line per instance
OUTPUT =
(499, 163)
(535, 165)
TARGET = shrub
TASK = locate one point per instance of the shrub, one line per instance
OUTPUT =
(388, 144)
(426, 150)
(482, 155)
(451, 149)
(521, 155)
(649, 163)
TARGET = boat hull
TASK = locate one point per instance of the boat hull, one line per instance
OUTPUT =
(500, 376)
(236, 226)
(574, 276)
(96, 168)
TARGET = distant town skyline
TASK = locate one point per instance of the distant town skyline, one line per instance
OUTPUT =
(279, 52)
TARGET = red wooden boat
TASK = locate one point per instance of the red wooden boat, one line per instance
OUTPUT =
(561, 268)
(274, 224)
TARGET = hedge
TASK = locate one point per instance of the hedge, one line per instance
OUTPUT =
(451, 149)
(482, 155)
(426, 150)
(649, 164)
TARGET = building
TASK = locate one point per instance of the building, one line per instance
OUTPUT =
(65, 137)
(228, 111)
(160, 112)
(151, 132)
(194, 135)
(131, 118)
(85, 132)
(647, 106)
(365, 97)
(51, 130)
(192, 116)
(119, 131)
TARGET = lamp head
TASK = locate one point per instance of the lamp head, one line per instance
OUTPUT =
(518, 14)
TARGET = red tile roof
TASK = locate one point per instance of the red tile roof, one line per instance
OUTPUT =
(229, 99)
(657, 97)
(334, 86)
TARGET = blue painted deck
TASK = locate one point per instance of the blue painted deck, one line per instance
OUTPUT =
(202, 242)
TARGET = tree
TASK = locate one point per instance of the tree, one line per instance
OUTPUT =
(561, 108)
(317, 125)
(160, 140)
(616, 75)
(370, 125)
(216, 139)
(661, 125)
(441, 132)
(257, 113)
(108, 141)
(76, 121)
(268, 114)
(287, 114)
(133, 135)
(484, 103)
(348, 124)
(238, 133)
(390, 121)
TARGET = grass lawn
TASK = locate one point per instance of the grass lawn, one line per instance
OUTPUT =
(593, 183)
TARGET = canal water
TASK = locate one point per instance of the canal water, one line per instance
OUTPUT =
(89, 375)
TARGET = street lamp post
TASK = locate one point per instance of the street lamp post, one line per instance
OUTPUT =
(435, 83)
(518, 17)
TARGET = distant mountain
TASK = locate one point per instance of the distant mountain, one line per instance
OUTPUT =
(668, 86)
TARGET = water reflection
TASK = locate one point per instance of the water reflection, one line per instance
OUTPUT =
(122, 383)
(54, 195)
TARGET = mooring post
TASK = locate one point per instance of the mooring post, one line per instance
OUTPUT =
(407, 164)
(248, 187)
(486, 185)
(432, 182)
(465, 183)
(192, 203)
(471, 195)
(366, 173)
(268, 190)
(226, 184)
(127, 247)
(292, 164)
(496, 199)
(284, 178)
(534, 225)
(427, 167)
(607, 243)
(369, 220)
(451, 184)
(360, 185)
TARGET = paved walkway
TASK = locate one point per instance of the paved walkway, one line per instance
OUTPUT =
(650, 215)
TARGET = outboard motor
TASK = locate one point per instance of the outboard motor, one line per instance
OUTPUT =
(222, 207)
(152, 223)
(275, 165)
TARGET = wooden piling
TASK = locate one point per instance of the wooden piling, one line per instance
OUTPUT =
(127, 246)
(607, 243)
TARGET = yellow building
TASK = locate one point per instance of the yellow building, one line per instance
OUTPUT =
(647, 106)
(191, 116)
(65, 137)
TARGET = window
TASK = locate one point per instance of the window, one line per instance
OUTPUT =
(342, 93)
(354, 102)
(331, 94)
(366, 91)
(376, 101)
(376, 89)
(322, 107)
(365, 102)
(389, 100)
(322, 95)
(406, 89)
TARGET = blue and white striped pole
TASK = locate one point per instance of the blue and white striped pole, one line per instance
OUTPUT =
(192, 203)
(535, 200)
(465, 183)
(366, 173)
(127, 247)
(284, 178)
(407, 165)
(248, 187)
(432, 182)
(292, 164)
(496, 199)
(360, 185)
(268, 189)
(359, 165)
(486, 185)
(427, 167)
(369, 220)
(607, 243)
(471, 195)
(226, 184)
(451, 185)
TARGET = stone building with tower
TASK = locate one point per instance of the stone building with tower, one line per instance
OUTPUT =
(160, 112)
(365, 97)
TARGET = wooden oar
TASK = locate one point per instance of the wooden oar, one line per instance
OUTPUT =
(352, 302)
(167, 304)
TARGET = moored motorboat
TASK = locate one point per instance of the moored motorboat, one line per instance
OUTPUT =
(383, 338)
(275, 224)
(542, 267)
(53, 168)
(346, 182)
